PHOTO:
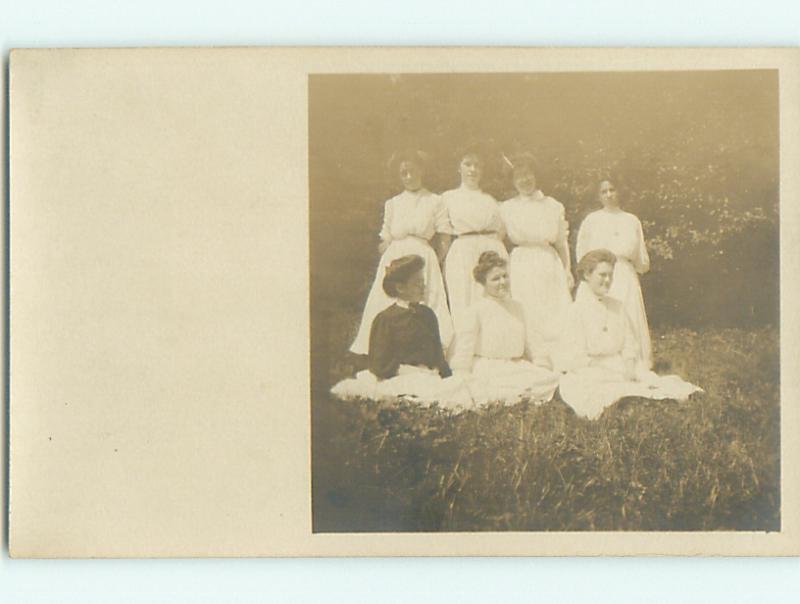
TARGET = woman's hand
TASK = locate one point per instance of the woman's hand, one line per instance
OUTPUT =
(383, 246)
(630, 370)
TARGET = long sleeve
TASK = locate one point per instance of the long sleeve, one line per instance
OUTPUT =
(441, 218)
(562, 241)
(386, 229)
(571, 353)
(535, 345)
(641, 259)
(381, 360)
(466, 341)
(535, 349)
(582, 244)
(499, 224)
(440, 363)
(630, 346)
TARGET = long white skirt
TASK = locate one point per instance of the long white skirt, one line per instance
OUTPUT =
(510, 381)
(462, 289)
(491, 381)
(626, 288)
(591, 389)
(416, 384)
(539, 283)
(378, 300)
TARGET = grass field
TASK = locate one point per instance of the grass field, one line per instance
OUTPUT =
(711, 463)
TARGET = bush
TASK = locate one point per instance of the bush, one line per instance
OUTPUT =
(696, 154)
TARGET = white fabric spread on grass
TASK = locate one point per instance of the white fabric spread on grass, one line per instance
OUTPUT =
(488, 364)
(490, 382)
(597, 343)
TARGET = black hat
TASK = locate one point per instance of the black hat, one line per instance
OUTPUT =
(400, 270)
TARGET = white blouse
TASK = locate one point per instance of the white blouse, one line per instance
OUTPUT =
(617, 231)
(472, 211)
(419, 214)
(493, 329)
(595, 327)
(536, 219)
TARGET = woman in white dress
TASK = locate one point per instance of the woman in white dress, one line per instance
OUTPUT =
(620, 232)
(599, 351)
(474, 218)
(540, 263)
(410, 221)
(491, 344)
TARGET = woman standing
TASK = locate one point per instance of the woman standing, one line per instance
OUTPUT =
(410, 220)
(474, 217)
(540, 263)
(598, 352)
(621, 233)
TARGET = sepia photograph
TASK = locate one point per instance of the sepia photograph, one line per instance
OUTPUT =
(545, 301)
(402, 302)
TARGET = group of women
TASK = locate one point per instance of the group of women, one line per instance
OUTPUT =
(452, 318)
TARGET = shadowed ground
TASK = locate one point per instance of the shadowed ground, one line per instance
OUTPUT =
(711, 463)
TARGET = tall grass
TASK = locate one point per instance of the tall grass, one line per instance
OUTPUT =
(710, 463)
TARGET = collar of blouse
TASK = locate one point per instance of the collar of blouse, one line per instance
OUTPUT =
(537, 195)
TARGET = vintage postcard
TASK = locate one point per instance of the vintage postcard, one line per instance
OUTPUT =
(403, 302)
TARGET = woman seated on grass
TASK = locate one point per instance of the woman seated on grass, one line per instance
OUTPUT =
(492, 343)
(599, 352)
(405, 356)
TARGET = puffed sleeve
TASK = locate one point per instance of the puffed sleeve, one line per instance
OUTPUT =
(570, 353)
(466, 341)
(535, 345)
(630, 345)
(440, 362)
(386, 229)
(381, 360)
(441, 218)
(562, 239)
(498, 223)
(584, 236)
(641, 259)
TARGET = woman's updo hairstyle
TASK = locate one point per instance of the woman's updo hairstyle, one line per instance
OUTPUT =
(475, 147)
(524, 161)
(611, 177)
(590, 260)
(420, 158)
(401, 270)
(487, 261)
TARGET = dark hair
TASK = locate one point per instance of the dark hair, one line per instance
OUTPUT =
(420, 158)
(473, 147)
(590, 260)
(487, 261)
(610, 177)
(524, 160)
(401, 270)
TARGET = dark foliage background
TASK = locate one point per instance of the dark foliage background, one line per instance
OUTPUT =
(696, 155)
